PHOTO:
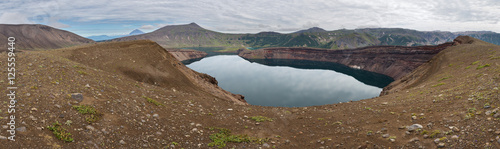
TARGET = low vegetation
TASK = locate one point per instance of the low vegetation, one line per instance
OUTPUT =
(152, 101)
(224, 136)
(91, 114)
(261, 119)
(60, 133)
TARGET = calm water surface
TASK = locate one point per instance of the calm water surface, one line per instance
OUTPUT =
(290, 83)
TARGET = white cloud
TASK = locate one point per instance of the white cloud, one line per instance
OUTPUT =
(14, 18)
(263, 15)
(148, 27)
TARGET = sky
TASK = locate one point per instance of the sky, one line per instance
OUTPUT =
(116, 17)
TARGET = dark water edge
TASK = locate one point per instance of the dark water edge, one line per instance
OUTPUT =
(366, 77)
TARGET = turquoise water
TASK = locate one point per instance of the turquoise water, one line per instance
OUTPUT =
(290, 83)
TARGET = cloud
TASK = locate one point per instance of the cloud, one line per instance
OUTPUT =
(14, 18)
(264, 15)
(148, 27)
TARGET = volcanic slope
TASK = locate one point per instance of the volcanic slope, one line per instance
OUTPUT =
(39, 37)
(457, 89)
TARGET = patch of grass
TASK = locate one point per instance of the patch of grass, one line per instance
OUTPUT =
(152, 101)
(368, 108)
(482, 66)
(392, 137)
(224, 136)
(174, 143)
(85, 109)
(442, 139)
(424, 132)
(91, 114)
(474, 63)
(439, 84)
(320, 119)
(68, 122)
(338, 123)
(434, 133)
(60, 132)
(261, 118)
(467, 67)
(444, 78)
(81, 72)
(498, 57)
(369, 132)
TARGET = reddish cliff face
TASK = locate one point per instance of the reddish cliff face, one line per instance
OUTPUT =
(393, 61)
(183, 55)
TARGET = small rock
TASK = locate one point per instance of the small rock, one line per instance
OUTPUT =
(3, 138)
(454, 137)
(497, 115)
(385, 136)
(436, 140)
(57, 106)
(266, 145)
(122, 142)
(91, 128)
(414, 127)
(487, 106)
(257, 123)
(230, 109)
(497, 132)
(198, 125)
(287, 141)
(156, 115)
(87, 86)
(414, 117)
(488, 113)
(392, 140)
(414, 139)
(194, 130)
(385, 103)
(61, 116)
(455, 129)
(426, 136)
(441, 145)
(21, 129)
(34, 109)
(77, 96)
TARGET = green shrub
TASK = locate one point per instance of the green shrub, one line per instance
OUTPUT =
(60, 132)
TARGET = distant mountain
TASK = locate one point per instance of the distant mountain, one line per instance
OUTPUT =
(192, 35)
(39, 37)
(106, 37)
(312, 30)
(136, 32)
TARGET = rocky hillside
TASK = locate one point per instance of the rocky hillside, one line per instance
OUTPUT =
(393, 61)
(136, 95)
(186, 54)
(39, 37)
(192, 35)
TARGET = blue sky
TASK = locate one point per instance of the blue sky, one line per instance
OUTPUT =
(113, 17)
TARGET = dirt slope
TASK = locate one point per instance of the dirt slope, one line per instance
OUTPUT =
(455, 98)
(39, 37)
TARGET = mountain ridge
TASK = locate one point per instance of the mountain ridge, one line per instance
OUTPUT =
(39, 37)
(193, 35)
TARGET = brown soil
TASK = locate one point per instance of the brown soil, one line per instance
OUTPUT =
(439, 94)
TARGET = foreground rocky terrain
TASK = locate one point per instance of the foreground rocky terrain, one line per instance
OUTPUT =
(137, 95)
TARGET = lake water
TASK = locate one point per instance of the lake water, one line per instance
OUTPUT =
(291, 83)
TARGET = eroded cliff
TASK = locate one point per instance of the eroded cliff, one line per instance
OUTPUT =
(186, 54)
(393, 61)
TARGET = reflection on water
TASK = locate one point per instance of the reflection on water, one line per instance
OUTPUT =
(282, 85)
